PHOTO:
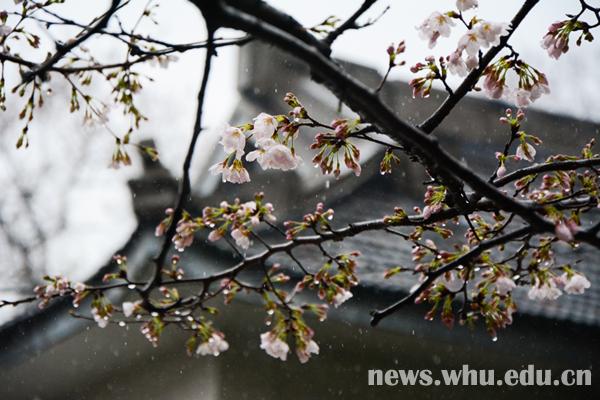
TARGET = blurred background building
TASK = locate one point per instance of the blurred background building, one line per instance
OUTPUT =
(46, 354)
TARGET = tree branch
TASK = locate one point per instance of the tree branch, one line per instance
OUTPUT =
(548, 167)
(350, 23)
(64, 49)
(184, 187)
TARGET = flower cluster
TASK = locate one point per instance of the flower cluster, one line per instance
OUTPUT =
(206, 340)
(547, 286)
(152, 329)
(434, 200)
(274, 342)
(556, 40)
(102, 310)
(333, 284)
(58, 286)
(532, 83)
(274, 141)
(389, 158)
(422, 85)
(394, 52)
(480, 35)
(238, 218)
(319, 220)
(330, 145)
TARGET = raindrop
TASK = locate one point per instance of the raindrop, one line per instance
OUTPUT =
(131, 286)
(495, 339)
(154, 314)
(122, 323)
(271, 311)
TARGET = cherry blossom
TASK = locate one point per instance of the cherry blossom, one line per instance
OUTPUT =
(214, 346)
(565, 230)
(452, 282)
(233, 141)
(184, 236)
(525, 151)
(264, 126)
(464, 5)
(341, 297)
(241, 238)
(5, 29)
(491, 32)
(504, 285)
(101, 320)
(542, 291)
(129, 308)
(501, 172)
(234, 173)
(556, 42)
(494, 86)
(436, 25)
(274, 346)
(471, 42)
(79, 287)
(273, 155)
(304, 352)
(482, 35)
(576, 283)
(456, 64)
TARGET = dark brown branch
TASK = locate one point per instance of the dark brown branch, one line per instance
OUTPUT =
(350, 23)
(64, 49)
(184, 186)
(548, 167)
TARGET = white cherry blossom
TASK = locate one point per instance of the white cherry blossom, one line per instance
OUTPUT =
(436, 25)
(214, 346)
(128, 308)
(304, 354)
(548, 290)
(240, 238)
(454, 283)
(341, 297)
(504, 285)
(235, 173)
(233, 140)
(273, 155)
(274, 346)
(576, 284)
(525, 151)
(102, 321)
(464, 5)
(491, 32)
(264, 126)
(471, 42)
(456, 64)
